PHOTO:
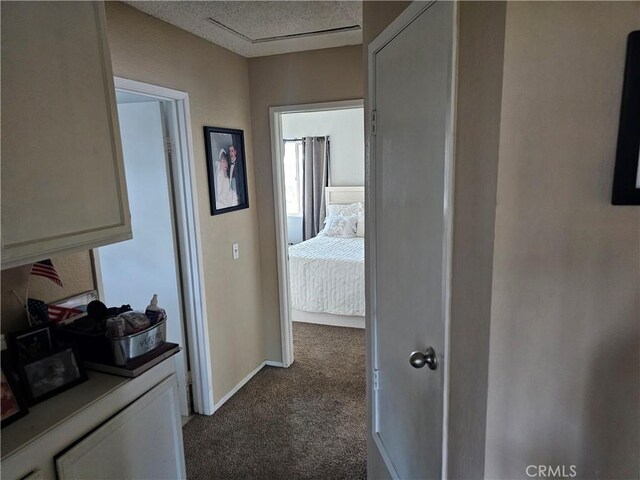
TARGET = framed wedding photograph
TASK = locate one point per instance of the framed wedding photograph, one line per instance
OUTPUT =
(51, 375)
(13, 405)
(227, 169)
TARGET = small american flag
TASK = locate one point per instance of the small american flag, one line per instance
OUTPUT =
(44, 268)
(60, 314)
(41, 312)
(38, 311)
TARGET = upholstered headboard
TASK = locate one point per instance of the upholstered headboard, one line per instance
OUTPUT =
(343, 195)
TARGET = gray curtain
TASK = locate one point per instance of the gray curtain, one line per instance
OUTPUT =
(315, 161)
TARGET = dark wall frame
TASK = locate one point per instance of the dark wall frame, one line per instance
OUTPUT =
(625, 191)
(243, 199)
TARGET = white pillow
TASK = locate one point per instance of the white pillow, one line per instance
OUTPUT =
(344, 209)
(340, 226)
(360, 227)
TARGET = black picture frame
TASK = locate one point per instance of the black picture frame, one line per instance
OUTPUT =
(32, 343)
(223, 197)
(626, 176)
(14, 405)
(50, 375)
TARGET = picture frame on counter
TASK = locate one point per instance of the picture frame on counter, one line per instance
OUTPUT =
(52, 374)
(13, 404)
(32, 343)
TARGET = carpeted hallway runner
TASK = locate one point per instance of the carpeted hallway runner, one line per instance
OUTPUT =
(303, 422)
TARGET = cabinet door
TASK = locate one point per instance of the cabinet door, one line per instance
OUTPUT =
(144, 441)
(63, 185)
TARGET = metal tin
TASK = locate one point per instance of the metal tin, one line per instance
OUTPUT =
(115, 327)
(131, 346)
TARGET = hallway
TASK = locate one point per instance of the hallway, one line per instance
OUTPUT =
(304, 422)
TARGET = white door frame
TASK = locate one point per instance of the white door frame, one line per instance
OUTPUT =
(388, 34)
(188, 230)
(277, 152)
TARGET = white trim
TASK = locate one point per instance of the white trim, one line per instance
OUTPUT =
(97, 272)
(149, 90)
(274, 364)
(447, 257)
(390, 32)
(188, 227)
(275, 116)
(321, 318)
(318, 107)
(286, 334)
(240, 384)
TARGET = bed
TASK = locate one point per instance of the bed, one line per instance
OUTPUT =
(326, 273)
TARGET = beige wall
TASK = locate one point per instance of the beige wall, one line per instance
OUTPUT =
(564, 378)
(74, 270)
(376, 16)
(477, 140)
(296, 78)
(217, 81)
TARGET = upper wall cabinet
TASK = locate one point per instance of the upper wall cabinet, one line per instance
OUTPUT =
(63, 185)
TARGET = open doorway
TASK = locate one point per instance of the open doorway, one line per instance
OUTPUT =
(307, 420)
(318, 166)
(163, 256)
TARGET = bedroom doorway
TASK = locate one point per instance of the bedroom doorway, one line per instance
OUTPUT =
(318, 170)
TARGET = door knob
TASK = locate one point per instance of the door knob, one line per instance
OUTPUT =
(420, 359)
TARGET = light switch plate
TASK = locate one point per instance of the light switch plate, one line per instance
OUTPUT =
(236, 251)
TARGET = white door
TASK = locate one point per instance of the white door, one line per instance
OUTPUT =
(411, 64)
(132, 271)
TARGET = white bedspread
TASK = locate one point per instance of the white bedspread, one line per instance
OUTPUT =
(327, 275)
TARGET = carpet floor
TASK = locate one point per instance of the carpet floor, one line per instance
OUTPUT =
(302, 422)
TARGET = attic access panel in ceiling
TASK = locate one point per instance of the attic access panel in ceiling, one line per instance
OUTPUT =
(276, 22)
(257, 28)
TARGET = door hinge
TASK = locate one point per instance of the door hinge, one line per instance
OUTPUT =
(189, 378)
(374, 115)
(376, 380)
(168, 145)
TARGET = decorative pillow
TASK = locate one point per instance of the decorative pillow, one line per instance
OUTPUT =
(360, 227)
(344, 209)
(340, 226)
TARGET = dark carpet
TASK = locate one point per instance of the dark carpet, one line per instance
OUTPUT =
(302, 422)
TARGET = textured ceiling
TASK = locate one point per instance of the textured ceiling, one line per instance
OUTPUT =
(254, 29)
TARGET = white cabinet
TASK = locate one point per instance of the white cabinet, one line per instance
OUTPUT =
(108, 427)
(143, 441)
(63, 185)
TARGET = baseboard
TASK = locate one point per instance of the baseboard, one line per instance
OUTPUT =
(274, 364)
(350, 321)
(241, 384)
